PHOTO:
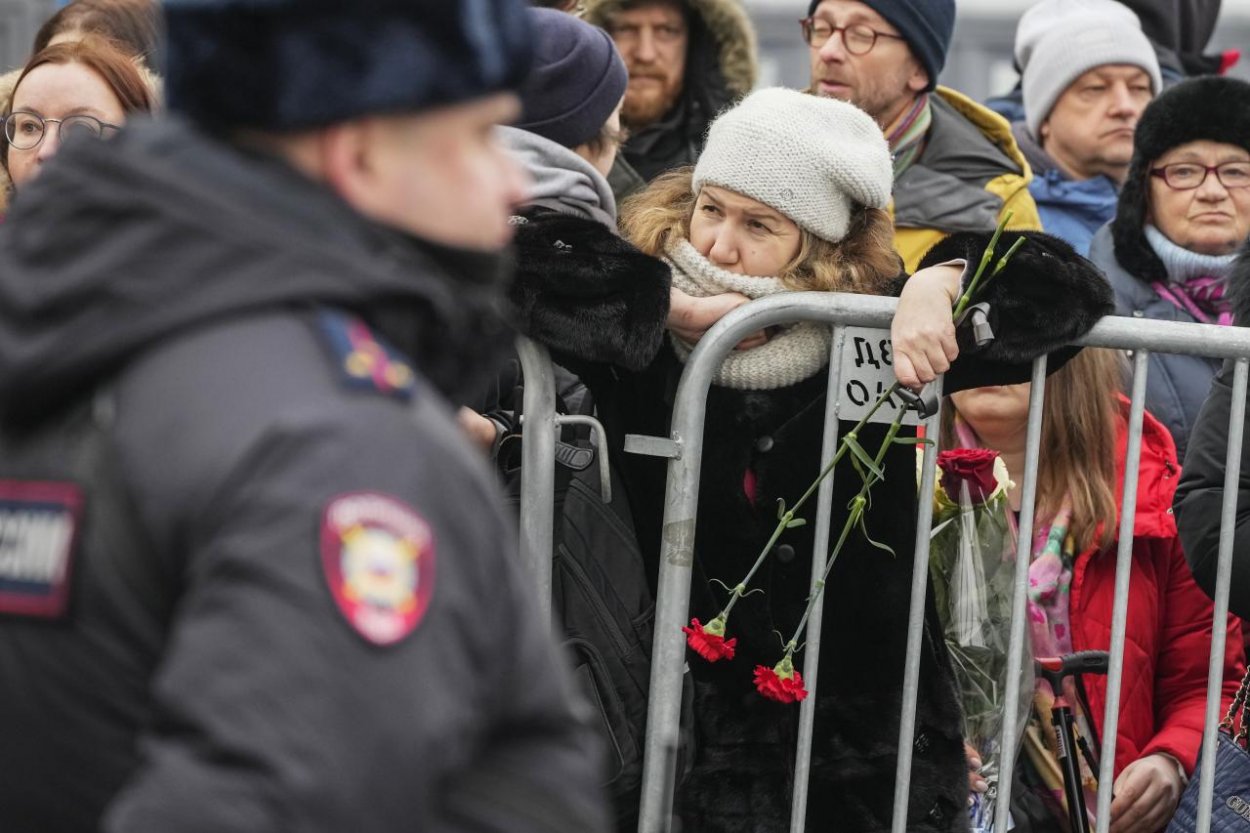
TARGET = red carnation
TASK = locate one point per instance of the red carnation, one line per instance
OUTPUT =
(708, 641)
(973, 466)
(781, 682)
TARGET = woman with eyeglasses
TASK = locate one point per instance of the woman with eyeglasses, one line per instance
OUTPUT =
(1182, 215)
(69, 91)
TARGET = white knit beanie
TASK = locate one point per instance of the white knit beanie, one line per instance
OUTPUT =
(1058, 41)
(813, 159)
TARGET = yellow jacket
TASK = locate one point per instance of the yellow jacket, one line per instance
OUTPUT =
(969, 174)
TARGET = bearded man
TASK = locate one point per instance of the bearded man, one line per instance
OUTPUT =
(687, 60)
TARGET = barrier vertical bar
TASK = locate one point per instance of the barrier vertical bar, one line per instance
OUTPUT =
(820, 549)
(915, 621)
(538, 466)
(1123, 571)
(1223, 580)
(1024, 546)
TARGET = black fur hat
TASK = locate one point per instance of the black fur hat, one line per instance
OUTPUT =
(1216, 109)
(294, 64)
(1046, 297)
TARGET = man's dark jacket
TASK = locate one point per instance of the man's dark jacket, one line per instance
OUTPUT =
(203, 677)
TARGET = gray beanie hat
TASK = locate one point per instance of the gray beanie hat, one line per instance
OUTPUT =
(813, 159)
(1058, 41)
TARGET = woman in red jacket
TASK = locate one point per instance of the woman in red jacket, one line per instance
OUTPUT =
(1072, 586)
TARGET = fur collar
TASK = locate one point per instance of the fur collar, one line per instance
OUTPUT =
(583, 291)
(1046, 298)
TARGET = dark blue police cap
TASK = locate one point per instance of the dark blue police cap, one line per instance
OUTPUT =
(293, 64)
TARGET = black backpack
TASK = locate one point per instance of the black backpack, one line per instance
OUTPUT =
(601, 596)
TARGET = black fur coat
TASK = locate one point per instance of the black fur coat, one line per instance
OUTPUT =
(744, 761)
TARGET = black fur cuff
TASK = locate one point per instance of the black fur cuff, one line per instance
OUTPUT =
(1046, 297)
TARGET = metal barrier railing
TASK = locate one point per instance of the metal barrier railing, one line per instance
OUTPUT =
(684, 449)
(538, 463)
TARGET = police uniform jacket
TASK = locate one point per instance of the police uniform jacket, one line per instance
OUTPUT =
(251, 577)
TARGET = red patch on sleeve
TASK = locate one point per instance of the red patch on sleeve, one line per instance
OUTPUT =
(378, 558)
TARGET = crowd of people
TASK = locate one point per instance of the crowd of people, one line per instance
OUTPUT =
(261, 270)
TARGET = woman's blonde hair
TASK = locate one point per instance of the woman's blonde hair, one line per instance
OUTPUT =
(864, 261)
(1080, 419)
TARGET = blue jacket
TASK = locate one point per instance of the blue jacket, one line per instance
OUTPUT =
(1070, 209)
(1073, 210)
(1176, 385)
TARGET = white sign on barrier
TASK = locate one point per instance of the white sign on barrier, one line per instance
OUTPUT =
(868, 372)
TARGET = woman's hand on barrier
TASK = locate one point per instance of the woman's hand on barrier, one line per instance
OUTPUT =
(480, 430)
(923, 332)
(1146, 795)
(976, 784)
(689, 318)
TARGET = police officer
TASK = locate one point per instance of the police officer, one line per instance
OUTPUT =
(251, 576)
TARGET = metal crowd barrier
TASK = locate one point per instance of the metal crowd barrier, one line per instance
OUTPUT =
(538, 464)
(684, 449)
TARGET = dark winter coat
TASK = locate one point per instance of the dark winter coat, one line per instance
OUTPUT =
(209, 673)
(1201, 491)
(745, 745)
(1184, 28)
(721, 67)
(1177, 384)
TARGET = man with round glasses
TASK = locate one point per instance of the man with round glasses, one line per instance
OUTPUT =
(252, 575)
(956, 166)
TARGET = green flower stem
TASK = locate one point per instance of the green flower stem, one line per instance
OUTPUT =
(870, 478)
(784, 521)
(986, 257)
(858, 503)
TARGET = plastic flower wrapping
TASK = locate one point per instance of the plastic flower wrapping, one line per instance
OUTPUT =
(972, 555)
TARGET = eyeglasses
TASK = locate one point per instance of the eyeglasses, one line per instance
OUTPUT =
(26, 131)
(1186, 176)
(858, 38)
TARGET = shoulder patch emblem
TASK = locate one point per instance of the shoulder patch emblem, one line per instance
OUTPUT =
(364, 361)
(378, 557)
(39, 523)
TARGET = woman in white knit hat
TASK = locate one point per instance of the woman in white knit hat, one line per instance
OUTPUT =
(791, 193)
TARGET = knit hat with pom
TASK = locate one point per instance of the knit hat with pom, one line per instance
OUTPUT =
(813, 159)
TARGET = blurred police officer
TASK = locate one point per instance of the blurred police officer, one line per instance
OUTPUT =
(251, 577)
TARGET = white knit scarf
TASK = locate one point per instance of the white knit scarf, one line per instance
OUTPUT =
(796, 352)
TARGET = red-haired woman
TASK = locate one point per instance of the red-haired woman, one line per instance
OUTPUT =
(85, 88)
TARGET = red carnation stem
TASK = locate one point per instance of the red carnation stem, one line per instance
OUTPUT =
(860, 500)
(857, 510)
(740, 590)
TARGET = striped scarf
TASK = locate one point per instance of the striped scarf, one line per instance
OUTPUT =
(908, 134)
